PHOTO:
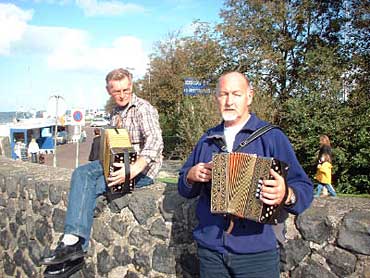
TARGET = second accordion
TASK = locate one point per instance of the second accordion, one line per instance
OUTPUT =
(237, 182)
(115, 146)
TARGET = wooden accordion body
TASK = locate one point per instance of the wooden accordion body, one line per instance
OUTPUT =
(237, 182)
(115, 146)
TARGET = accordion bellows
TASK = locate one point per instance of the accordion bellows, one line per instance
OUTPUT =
(237, 182)
(115, 146)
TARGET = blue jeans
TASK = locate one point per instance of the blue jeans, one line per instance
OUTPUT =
(87, 183)
(216, 265)
(328, 186)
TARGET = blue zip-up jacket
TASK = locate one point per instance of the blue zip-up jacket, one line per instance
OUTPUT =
(247, 236)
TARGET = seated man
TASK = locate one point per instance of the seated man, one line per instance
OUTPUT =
(141, 121)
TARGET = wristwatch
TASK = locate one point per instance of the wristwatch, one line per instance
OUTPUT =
(292, 199)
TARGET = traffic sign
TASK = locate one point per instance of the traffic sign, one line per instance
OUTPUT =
(78, 117)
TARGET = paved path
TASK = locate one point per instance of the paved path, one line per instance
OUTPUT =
(66, 154)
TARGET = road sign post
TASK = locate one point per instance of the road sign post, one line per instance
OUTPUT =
(78, 118)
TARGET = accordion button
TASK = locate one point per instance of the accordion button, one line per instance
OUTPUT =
(267, 215)
(257, 195)
(258, 190)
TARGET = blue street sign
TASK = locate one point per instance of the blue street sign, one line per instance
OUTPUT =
(194, 87)
(77, 116)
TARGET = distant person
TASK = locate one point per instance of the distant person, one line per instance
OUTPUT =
(323, 175)
(18, 150)
(141, 120)
(250, 248)
(325, 148)
(33, 151)
(83, 136)
(95, 146)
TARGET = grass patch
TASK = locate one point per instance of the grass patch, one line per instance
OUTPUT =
(168, 180)
(354, 195)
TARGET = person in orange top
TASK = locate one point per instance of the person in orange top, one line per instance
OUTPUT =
(323, 175)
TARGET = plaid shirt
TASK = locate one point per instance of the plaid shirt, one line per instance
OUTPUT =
(141, 120)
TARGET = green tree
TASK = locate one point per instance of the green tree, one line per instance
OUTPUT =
(175, 59)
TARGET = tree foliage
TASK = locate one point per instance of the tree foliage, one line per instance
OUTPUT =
(308, 61)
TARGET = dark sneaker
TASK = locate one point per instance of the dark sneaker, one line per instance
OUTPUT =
(63, 253)
(64, 270)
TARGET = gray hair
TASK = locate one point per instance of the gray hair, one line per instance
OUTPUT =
(118, 74)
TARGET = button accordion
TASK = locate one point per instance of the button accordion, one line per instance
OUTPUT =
(115, 146)
(237, 182)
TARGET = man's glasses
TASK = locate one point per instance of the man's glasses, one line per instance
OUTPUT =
(123, 93)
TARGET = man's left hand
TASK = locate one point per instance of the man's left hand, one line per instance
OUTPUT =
(273, 191)
(118, 176)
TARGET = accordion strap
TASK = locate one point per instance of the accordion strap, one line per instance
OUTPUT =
(126, 159)
(259, 132)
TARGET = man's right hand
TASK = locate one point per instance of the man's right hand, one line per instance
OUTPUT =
(201, 172)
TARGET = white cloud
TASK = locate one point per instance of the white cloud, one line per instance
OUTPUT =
(96, 8)
(125, 52)
(66, 48)
(13, 23)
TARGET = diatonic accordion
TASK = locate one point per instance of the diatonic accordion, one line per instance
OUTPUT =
(115, 146)
(237, 182)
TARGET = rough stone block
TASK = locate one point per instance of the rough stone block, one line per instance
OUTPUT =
(9, 265)
(122, 257)
(341, 262)
(314, 225)
(293, 252)
(105, 263)
(43, 231)
(118, 225)
(190, 263)
(171, 205)
(164, 259)
(159, 229)
(20, 217)
(139, 237)
(142, 262)
(143, 206)
(22, 240)
(42, 190)
(354, 233)
(58, 220)
(34, 251)
(102, 233)
(12, 186)
(312, 269)
(3, 218)
(55, 194)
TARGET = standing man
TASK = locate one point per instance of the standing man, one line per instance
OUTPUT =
(141, 120)
(95, 146)
(250, 249)
(33, 151)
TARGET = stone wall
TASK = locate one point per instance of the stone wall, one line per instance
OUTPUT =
(151, 235)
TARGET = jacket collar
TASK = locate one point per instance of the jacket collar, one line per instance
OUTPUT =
(251, 125)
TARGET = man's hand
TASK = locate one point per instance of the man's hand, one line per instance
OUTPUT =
(273, 191)
(118, 176)
(201, 172)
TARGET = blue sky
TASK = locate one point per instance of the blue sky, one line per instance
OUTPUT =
(66, 47)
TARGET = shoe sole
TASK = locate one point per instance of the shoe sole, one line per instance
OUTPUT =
(70, 257)
(66, 274)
